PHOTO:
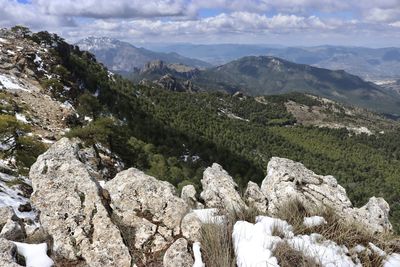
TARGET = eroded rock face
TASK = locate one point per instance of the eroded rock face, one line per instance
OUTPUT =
(149, 207)
(255, 198)
(287, 180)
(178, 255)
(219, 190)
(73, 211)
(191, 225)
(375, 214)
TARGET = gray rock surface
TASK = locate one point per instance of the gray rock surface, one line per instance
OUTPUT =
(178, 255)
(191, 225)
(12, 230)
(72, 210)
(8, 253)
(219, 190)
(148, 206)
(6, 213)
(255, 198)
(287, 180)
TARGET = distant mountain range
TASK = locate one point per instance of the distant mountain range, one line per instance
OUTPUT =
(123, 57)
(368, 63)
(265, 75)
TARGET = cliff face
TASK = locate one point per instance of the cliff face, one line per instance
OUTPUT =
(135, 219)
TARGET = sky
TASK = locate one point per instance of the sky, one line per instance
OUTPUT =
(371, 23)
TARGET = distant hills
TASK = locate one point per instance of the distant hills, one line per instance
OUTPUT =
(122, 57)
(265, 75)
(368, 63)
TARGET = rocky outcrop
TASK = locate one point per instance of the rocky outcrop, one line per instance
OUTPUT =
(178, 255)
(137, 214)
(287, 180)
(73, 211)
(219, 190)
(255, 198)
(147, 206)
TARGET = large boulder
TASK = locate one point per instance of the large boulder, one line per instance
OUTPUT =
(288, 180)
(73, 211)
(219, 190)
(147, 206)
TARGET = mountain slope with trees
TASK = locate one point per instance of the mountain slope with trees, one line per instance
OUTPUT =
(175, 135)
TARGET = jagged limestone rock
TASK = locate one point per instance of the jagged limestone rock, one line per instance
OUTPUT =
(188, 194)
(72, 210)
(178, 255)
(288, 180)
(219, 190)
(255, 198)
(375, 214)
(135, 195)
(191, 225)
(8, 253)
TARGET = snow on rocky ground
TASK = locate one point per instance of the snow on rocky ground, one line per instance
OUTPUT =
(254, 244)
(35, 254)
(9, 82)
(13, 197)
(21, 117)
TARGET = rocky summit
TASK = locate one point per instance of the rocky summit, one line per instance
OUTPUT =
(135, 219)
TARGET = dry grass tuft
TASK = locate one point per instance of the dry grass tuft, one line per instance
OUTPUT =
(216, 245)
(289, 257)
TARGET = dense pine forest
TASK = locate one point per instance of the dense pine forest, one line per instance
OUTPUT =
(175, 135)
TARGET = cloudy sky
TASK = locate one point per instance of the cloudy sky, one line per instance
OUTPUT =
(374, 23)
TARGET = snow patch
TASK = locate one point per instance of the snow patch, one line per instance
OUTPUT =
(21, 117)
(209, 216)
(313, 221)
(254, 244)
(35, 254)
(12, 197)
(393, 260)
(198, 262)
(9, 83)
(326, 252)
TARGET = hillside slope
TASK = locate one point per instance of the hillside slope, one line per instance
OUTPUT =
(269, 75)
(175, 135)
(368, 63)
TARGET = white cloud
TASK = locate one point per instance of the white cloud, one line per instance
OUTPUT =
(232, 20)
(113, 8)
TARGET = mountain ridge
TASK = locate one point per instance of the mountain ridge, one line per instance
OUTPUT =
(123, 57)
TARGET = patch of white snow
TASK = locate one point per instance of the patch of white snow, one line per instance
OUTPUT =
(21, 117)
(198, 262)
(209, 216)
(35, 254)
(393, 260)
(313, 221)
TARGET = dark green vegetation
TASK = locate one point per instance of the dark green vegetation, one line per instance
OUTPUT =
(375, 63)
(269, 75)
(174, 136)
